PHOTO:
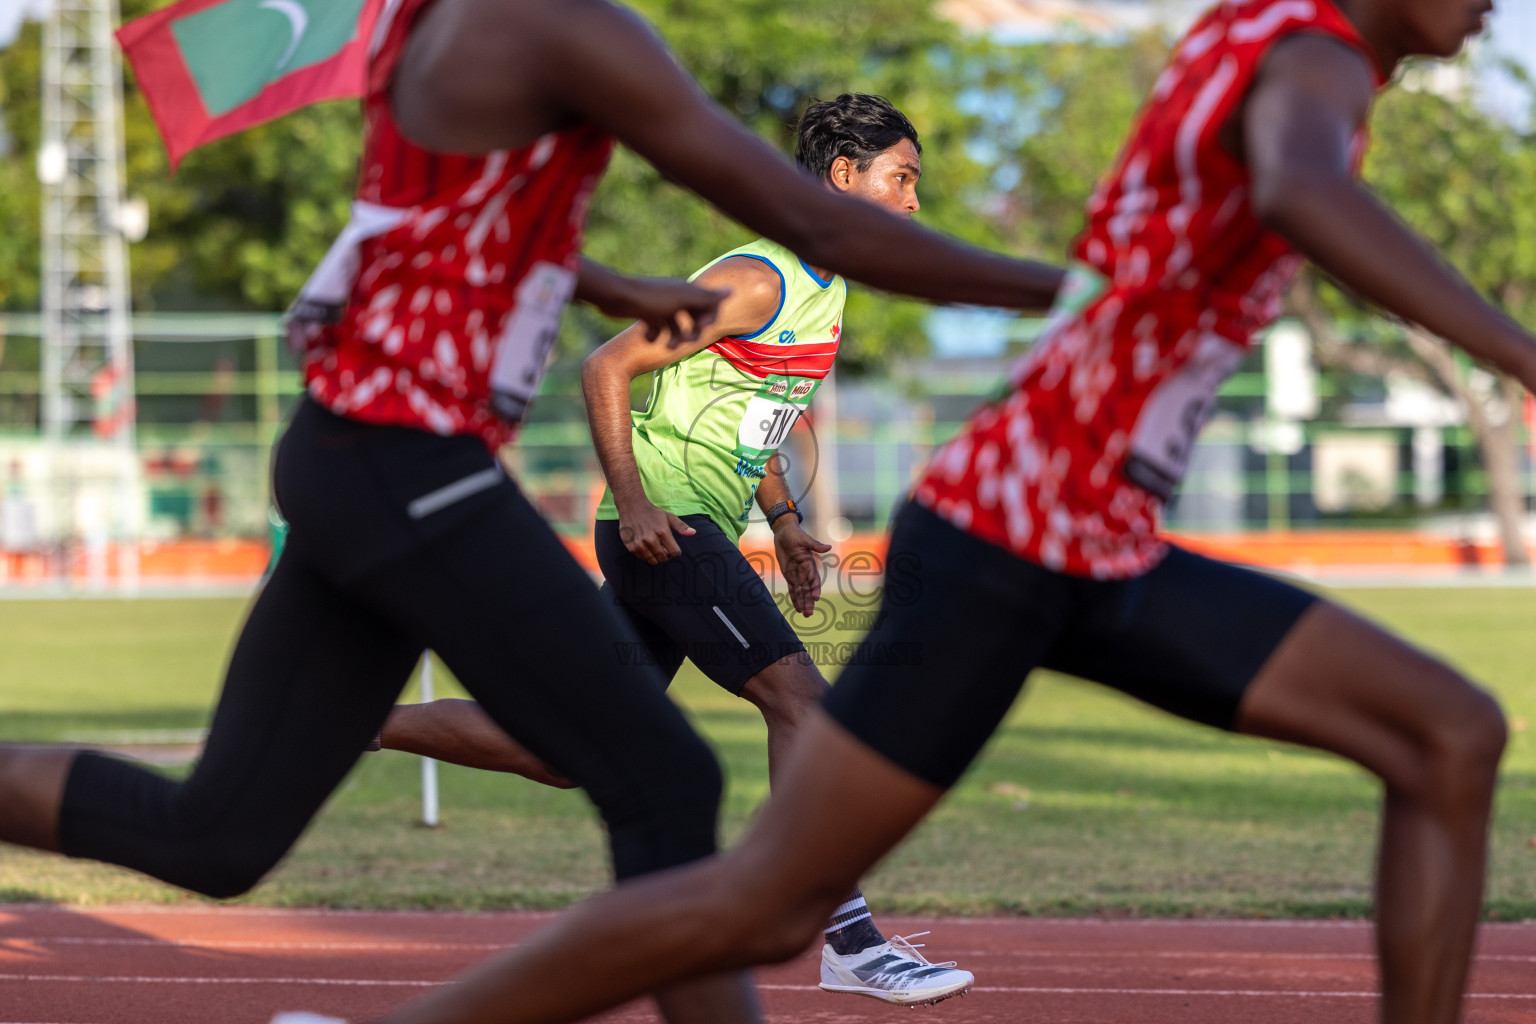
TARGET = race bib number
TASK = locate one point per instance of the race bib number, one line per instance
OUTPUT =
(528, 339)
(1172, 417)
(770, 415)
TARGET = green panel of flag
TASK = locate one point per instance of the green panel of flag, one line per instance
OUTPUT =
(235, 49)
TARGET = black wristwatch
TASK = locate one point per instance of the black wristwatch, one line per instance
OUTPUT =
(784, 508)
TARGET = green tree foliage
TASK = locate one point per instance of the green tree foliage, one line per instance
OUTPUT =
(19, 196)
(1060, 113)
(245, 219)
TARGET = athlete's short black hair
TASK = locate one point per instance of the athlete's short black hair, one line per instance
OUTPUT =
(855, 125)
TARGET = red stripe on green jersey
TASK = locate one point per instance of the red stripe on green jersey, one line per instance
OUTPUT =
(763, 358)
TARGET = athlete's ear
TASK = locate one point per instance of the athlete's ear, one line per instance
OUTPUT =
(841, 174)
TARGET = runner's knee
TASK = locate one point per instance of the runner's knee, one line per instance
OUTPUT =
(220, 855)
(1459, 748)
(759, 908)
(773, 929)
(788, 688)
(1470, 738)
(786, 936)
(224, 866)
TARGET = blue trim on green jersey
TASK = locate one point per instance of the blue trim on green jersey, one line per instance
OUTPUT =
(823, 282)
(783, 290)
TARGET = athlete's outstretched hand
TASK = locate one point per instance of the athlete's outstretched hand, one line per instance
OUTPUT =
(663, 304)
(647, 532)
(797, 551)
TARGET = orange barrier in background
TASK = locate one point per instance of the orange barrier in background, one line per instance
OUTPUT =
(1343, 549)
(208, 558)
(1295, 551)
(235, 561)
(227, 561)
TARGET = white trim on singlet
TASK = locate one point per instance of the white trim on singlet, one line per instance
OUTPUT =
(381, 30)
(1269, 20)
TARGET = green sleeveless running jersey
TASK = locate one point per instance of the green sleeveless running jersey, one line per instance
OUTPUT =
(714, 419)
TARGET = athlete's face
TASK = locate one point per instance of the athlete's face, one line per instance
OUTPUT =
(1439, 28)
(889, 182)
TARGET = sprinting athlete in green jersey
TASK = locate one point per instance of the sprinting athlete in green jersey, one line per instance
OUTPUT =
(684, 475)
(715, 417)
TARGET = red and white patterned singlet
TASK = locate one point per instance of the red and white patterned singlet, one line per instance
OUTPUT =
(1172, 276)
(458, 268)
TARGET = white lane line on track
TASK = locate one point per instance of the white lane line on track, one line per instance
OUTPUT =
(1230, 992)
(479, 947)
(108, 912)
(435, 947)
(1148, 922)
(1217, 954)
(137, 979)
(299, 946)
(1010, 989)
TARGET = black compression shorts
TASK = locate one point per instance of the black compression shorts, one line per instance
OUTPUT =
(963, 622)
(403, 540)
(709, 605)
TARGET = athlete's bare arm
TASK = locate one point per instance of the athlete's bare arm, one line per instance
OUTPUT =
(1311, 96)
(793, 545)
(660, 304)
(605, 377)
(489, 74)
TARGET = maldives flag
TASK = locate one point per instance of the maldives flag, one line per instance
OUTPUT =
(210, 68)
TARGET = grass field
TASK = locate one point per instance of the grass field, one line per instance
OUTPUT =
(1084, 803)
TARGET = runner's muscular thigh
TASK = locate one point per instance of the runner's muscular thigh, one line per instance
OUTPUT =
(1343, 684)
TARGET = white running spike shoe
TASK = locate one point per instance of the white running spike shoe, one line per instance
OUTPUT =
(894, 971)
(305, 1017)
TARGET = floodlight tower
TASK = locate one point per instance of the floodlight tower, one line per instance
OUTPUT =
(87, 357)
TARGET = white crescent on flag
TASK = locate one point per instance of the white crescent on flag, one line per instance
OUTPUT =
(298, 16)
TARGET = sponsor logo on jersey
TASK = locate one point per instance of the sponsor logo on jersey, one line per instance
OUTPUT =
(802, 389)
(778, 387)
(786, 337)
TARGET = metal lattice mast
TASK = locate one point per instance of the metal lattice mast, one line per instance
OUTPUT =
(87, 351)
(85, 261)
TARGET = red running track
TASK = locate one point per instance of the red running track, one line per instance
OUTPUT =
(236, 965)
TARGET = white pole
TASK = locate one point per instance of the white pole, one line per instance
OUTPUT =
(428, 766)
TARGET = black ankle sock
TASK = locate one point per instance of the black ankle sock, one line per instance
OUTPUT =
(851, 929)
(855, 938)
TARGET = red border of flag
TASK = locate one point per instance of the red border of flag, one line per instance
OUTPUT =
(173, 97)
